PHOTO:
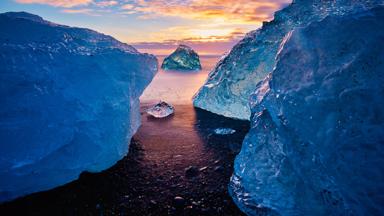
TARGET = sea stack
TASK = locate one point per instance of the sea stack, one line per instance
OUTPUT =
(183, 58)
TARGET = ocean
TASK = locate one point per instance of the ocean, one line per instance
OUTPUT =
(178, 87)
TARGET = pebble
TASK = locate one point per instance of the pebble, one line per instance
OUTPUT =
(179, 201)
(191, 171)
(219, 169)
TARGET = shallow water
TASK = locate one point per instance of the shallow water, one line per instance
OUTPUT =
(178, 87)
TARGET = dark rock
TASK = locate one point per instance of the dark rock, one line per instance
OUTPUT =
(179, 201)
(219, 169)
(191, 171)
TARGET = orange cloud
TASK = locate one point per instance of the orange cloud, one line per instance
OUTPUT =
(203, 48)
(57, 3)
(79, 11)
(107, 3)
(128, 7)
(233, 11)
(210, 21)
(193, 21)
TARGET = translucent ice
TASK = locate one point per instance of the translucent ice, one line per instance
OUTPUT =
(183, 58)
(316, 145)
(232, 81)
(69, 102)
(161, 110)
(224, 131)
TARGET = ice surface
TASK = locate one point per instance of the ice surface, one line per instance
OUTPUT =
(161, 110)
(224, 131)
(69, 102)
(183, 58)
(316, 142)
(232, 81)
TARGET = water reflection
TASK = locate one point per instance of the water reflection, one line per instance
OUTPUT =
(178, 87)
(187, 138)
(172, 142)
(207, 122)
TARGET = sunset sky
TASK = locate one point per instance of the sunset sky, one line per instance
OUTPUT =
(157, 26)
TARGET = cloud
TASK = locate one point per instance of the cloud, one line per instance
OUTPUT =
(202, 47)
(128, 7)
(197, 33)
(57, 3)
(79, 11)
(234, 11)
(211, 35)
(177, 21)
(224, 11)
(108, 3)
(213, 21)
(206, 45)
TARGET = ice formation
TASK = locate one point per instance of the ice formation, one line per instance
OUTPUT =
(183, 58)
(224, 131)
(316, 145)
(69, 102)
(161, 110)
(232, 81)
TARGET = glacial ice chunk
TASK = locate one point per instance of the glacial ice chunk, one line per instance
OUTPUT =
(183, 58)
(161, 110)
(230, 84)
(69, 102)
(316, 141)
(224, 131)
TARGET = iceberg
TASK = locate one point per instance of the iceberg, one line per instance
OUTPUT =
(317, 129)
(229, 85)
(161, 110)
(69, 102)
(183, 58)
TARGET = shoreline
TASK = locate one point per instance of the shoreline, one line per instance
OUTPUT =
(148, 180)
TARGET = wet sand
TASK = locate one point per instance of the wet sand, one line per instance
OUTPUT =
(148, 179)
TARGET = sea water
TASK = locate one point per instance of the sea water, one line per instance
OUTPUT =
(177, 87)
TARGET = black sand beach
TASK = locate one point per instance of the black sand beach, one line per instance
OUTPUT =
(175, 166)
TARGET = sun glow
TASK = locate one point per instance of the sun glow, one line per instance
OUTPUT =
(210, 33)
(163, 21)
